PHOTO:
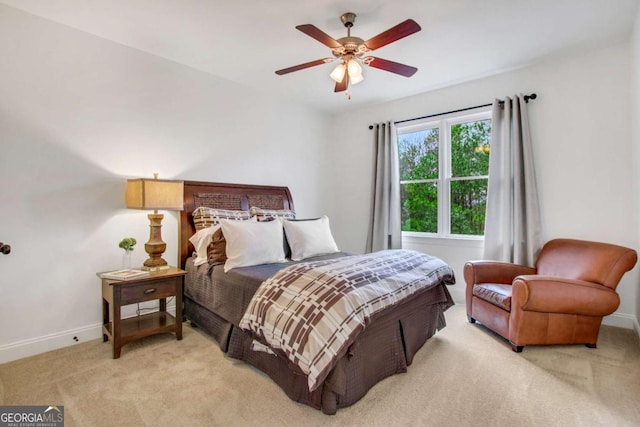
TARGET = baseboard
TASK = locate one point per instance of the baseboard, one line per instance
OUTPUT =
(621, 320)
(26, 348)
(43, 344)
(31, 347)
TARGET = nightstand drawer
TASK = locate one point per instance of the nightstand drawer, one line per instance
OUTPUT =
(147, 291)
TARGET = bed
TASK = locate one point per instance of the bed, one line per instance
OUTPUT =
(216, 302)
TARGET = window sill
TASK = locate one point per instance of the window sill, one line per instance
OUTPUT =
(457, 241)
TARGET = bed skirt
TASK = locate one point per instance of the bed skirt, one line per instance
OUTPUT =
(211, 323)
(386, 347)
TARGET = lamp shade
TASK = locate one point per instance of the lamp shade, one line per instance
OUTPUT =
(154, 194)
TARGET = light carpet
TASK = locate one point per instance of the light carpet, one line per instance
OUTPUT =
(463, 376)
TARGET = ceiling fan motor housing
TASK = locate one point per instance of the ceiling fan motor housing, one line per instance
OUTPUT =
(350, 45)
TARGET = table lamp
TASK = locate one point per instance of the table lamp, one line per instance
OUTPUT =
(154, 194)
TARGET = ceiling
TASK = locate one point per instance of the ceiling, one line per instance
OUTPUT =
(246, 41)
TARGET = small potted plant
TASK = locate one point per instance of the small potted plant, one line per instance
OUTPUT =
(127, 244)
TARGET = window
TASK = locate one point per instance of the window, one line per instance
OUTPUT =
(444, 170)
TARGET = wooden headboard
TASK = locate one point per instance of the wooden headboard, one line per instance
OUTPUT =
(224, 196)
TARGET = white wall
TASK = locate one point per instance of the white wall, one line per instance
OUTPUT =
(635, 131)
(581, 130)
(78, 115)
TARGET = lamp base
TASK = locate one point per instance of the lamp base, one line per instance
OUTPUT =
(155, 246)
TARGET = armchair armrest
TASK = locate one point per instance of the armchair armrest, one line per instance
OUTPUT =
(494, 272)
(549, 294)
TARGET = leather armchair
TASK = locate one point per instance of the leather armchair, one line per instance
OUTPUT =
(561, 300)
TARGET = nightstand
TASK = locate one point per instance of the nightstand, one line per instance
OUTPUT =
(158, 285)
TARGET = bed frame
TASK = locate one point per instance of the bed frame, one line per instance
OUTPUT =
(240, 197)
(386, 347)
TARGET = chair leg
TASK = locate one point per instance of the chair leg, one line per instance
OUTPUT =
(591, 345)
(516, 348)
(471, 319)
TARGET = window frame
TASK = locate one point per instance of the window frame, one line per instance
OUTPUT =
(443, 123)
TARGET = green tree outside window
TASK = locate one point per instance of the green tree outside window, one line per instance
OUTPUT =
(420, 176)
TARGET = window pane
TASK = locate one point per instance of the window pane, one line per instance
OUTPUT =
(418, 152)
(419, 207)
(470, 148)
(468, 205)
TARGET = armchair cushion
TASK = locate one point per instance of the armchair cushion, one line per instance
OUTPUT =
(494, 293)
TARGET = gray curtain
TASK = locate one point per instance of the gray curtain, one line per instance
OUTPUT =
(384, 223)
(512, 226)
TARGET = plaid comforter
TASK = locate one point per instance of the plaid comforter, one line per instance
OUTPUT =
(312, 312)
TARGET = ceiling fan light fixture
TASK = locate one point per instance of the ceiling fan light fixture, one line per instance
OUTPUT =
(338, 73)
(355, 72)
(356, 79)
(354, 68)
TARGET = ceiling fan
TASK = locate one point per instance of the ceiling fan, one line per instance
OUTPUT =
(351, 51)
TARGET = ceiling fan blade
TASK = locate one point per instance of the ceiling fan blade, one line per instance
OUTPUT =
(342, 86)
(394, 67)
(303, 66)
(401, 30)
(318, 34)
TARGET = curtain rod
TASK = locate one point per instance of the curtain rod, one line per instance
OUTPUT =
(526, 99)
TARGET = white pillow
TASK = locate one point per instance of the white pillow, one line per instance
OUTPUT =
(252, 243)
(200, 242)
(310, 238)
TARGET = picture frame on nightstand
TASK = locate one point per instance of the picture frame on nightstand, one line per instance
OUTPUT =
(125, 274)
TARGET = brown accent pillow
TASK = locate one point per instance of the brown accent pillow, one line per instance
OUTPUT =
(217, 249)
